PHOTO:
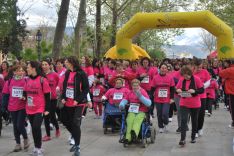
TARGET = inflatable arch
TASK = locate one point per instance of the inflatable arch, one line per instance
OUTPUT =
(143, 21)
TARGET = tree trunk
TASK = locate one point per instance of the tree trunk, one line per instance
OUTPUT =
(79, 28)
(60, 28)
(98, 28)
(114, 23)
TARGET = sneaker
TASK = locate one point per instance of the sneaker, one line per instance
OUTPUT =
(178, 130)
(196, 136)
(193, 141)
(83, 116)
(231, 126)
(206, 111)
(200, 132)
(40, 152)
(26, 144)
(161, 130)
(34, 152)
(57, 133)
(46, 138)
(208, 114)
(77, 152)
(96, 117)
(72, 141)
(170, 119)
(73, 148)
(182, 142)
(17, 148)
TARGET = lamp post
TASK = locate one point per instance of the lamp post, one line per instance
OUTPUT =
(38, 39)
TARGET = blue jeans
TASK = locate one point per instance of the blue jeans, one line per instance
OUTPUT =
(18, 118)
(162, 114)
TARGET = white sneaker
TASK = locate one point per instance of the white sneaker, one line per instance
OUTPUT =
(209, 114)
(72, 141)
(170, 119)
(196, 136)
(40, 152)
(161, 130)
(34, 152)
(206, 111)
(230, 126)
(200, 132)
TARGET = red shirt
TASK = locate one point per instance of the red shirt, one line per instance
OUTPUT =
(190, 102)
(204, 75)
(211, 89)
(15, 90)
(132, 98)
(114, 95)
(147, 81)
(162, 86)
(97, 91)
(35, 90)
(53, 80)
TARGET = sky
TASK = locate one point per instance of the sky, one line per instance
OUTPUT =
(37, 12)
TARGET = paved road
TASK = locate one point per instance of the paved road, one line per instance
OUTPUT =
(217, 141)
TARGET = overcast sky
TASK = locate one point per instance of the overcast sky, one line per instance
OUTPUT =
(37, 13)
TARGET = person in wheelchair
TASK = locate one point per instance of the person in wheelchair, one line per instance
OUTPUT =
(139, 103)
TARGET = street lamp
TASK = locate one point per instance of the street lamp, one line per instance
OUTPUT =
(38, 39)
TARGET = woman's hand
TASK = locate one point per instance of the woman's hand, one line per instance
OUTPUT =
(63, 101)
(191, 91)
(179, 91)
(75, 103)
(46, 113)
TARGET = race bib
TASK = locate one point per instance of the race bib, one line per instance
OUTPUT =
(134, 108)
(185, 94)
(145, 80)
(30, 101)
(162, 93)
(70, 93)
(118, 96)
(17, 92)
(96, 92)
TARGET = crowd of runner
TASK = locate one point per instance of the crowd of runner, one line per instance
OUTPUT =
(62, 90)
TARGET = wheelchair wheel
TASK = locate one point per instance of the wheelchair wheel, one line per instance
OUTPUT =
(153, 136)
(125, 145)
(105, 130)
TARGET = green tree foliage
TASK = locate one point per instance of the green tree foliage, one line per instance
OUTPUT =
(221, 8)
(157, 54)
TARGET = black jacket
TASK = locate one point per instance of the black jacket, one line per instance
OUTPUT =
(80, 93)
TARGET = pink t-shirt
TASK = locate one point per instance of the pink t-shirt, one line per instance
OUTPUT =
(35, 95)
(114, 95)
(211, 89)
(53, 80)
(127, 76)
(204, 76)
(88, 70)
(70, 90)
(108, 73)
(147, 81)
(162, 86)
(132, 98)
(15, 90)
(97, 91)
(62, 72)
(190, 102)
(97, 71)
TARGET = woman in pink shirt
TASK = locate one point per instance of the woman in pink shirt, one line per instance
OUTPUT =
(189, 87)
(4, 69)
(204, 76)
(74, 98)
(37, 95)
(53, 80)
(13, 91)
(163, 88)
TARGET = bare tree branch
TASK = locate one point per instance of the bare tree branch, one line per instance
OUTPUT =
(123, 7)
(108, 5)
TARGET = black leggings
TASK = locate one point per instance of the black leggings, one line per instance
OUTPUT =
(231, 106)
(51, 117)
(18, 118)
(71, 118)
(0, 122)
(184, 120)
(36, 122)
(201, 115)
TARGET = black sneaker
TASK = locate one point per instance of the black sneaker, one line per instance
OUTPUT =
(73, 148)
(182, 142)
(193, 141)
(134, 137)
(178, 130)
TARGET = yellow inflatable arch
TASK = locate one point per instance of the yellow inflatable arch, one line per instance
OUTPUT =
(143, 21)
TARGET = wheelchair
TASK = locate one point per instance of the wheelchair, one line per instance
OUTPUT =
(112, 117)
(146, 135)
